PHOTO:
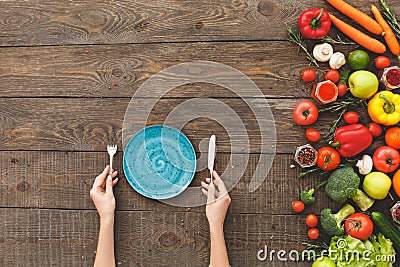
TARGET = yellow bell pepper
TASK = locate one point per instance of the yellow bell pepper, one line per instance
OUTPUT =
(384, 108)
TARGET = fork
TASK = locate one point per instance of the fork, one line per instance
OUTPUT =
(111, 149)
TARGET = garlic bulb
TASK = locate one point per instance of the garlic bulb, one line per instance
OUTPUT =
(364, 165)
(323, 52)
(337, 60)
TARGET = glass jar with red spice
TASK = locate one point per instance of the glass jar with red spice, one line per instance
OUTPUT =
(324, 92)
(391, 78)
(395, 211)
(306, 156)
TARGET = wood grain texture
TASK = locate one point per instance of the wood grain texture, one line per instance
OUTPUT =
(60, 180)
(32, 237)
(118, 71)
(108, 22)
(81, 124)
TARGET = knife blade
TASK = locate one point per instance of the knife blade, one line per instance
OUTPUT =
(211, 154)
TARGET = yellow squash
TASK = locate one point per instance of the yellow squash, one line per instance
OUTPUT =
(384, 108)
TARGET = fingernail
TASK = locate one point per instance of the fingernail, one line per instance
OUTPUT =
(109, 177)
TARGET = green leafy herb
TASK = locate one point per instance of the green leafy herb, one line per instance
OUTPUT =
(296, 37)
(337, 40)
(391, 19)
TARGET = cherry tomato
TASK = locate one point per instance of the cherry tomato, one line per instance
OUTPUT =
(308, 75)
(328, 158)
(312, 134)
(313, 233)
(392, 137)
(359, 225)
(386, 159)
(297, 206)
(311, 220)
(305, 112)
(375, 129)
(382, 62)
(350, 117)
(332, 75)
(342, 89)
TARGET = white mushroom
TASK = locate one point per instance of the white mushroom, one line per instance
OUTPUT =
(364, 165)
(337, 60)
(323, 52)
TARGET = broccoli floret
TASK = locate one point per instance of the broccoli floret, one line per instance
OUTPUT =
(343, 184)
(307, 196)
(332, 223)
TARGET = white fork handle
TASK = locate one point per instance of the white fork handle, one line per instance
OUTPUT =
(111, 165)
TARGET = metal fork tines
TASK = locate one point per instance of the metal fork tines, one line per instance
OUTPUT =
(111, 149)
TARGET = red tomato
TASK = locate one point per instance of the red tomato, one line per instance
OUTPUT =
(311, 220)
(313, 233)
(382, 62)
(308, 75)
(328, 158)
(386, 159)
(312, 134)
(305, 112)
(359, 225)
(332, 75)
(375, 129)
(342, 89)
(297, 206)
(351, 117)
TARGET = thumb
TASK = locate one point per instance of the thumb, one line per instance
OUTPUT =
(109, 185)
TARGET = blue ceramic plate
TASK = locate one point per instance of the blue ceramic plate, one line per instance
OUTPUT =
(159, 162)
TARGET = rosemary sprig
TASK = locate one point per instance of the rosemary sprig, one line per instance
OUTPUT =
(337, 40)
(296, 37)
(391, 19)
(332, 128)
(311, 170)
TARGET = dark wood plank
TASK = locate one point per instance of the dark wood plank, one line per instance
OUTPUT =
(31, 237)
(61, 180)
(89, 124)
(109, 22)
(119, 70)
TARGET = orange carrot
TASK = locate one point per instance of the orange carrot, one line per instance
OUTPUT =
(357, 15)
(358, 36)
(389, 36)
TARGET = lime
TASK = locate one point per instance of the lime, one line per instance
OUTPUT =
(358, 60)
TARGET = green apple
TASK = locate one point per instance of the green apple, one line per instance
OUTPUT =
(377, 185)
(363, 84)
(323, 262)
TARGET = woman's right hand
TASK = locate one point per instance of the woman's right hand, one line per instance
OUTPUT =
(218, 201)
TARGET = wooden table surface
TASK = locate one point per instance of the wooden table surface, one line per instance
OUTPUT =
(68, 70)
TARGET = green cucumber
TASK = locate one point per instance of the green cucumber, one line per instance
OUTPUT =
(387, 228)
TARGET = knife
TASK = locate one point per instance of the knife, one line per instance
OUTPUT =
(211, 155)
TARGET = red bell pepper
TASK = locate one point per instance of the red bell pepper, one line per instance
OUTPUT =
(314, 23)
(351, 139)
